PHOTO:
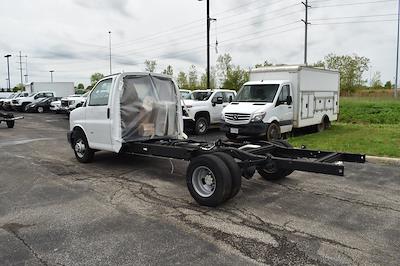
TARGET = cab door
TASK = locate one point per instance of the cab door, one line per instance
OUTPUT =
(284, 109)
(97, 112)
(217, 107)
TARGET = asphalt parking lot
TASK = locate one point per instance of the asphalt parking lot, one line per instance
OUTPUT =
(134, 210)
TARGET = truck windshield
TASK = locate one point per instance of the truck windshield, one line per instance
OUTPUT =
(200, 95)
(257, 93)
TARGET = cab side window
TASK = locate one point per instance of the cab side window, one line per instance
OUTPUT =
(217, 95)
(100, 94)
(228, 97)
(285, 92)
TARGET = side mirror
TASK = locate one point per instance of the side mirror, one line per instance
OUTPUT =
(219, 100)
(289, 100)
(79, 105)
(36, 97)
(230, 99)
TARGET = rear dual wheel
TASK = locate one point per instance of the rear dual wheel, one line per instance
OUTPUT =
(212, 179)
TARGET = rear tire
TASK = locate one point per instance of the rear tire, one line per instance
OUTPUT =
(208, 180)
(10, 124)
(234, 169)
(271, 172)
(201, 125)
(83, 152)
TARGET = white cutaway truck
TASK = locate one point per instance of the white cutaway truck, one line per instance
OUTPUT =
(141, 113)
(278, 99)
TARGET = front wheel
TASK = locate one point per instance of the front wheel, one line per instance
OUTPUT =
(10, 124)
(273, 131)
(201, 125)
(208, 180)
(272, 172)
(40, 109)
(83, 152)
(25, 107)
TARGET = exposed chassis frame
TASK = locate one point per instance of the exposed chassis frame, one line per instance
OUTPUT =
(250, 155)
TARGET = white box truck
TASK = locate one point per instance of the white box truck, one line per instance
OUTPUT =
(278, 99)
(60, 89)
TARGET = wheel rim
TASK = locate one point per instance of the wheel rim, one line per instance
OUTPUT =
(202, 125)
(40, 109)
(80, 148)
(204, 182)
(26, 108)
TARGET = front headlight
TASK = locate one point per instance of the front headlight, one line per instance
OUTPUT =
(257, 117)
(223, 117)
(71, 102)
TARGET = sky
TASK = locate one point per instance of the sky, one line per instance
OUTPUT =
(71, 37)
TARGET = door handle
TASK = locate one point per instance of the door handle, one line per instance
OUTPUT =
(108, 113)
(290, 107)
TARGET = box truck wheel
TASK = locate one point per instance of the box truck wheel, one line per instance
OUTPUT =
(235, 172)
(325, 124)
(209, 181)
(273, 131)
(271, 172)
(83, 153)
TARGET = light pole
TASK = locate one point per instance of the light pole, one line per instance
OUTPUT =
(8, 70)
(109, 42)
(208, 42)
(51, 75)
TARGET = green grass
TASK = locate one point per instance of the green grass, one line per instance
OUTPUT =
(366, 125)
(378, 140)
(369, 111)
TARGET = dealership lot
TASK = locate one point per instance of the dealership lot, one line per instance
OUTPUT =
(136, 210)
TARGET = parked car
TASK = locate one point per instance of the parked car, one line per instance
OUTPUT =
(7, 98)
(41, 105)
(204, 108)
(55, 106)
(278, 99)
(7, 102)
(71, 102)
(20, 103)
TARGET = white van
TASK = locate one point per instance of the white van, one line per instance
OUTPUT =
(278, 99)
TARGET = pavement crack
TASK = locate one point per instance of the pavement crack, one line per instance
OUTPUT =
(348, 200)
(13, 228)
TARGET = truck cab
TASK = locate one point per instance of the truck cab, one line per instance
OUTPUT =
(261, 107)
(204, 108)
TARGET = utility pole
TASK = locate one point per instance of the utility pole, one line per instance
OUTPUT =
(20, 67)
(26, 69)
(8, 70)
(306, 23)
(51, 75)
(397, 53)
(208, 41)
(109, 41)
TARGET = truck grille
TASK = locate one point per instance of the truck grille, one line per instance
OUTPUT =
(64, 103)
(235, 118)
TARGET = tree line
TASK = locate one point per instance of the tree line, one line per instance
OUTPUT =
(229, 76)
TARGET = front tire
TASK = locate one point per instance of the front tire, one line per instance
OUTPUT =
(83, 152)
(208, 180)
(201, 125)
(24, 107)
(40, 109)
(271, 172)
(10, 124)
(273, 132)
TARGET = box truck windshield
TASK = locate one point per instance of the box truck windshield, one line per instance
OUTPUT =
(257, 93)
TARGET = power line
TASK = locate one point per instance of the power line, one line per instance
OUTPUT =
(353, 22)
(348, 17)
(353, 4)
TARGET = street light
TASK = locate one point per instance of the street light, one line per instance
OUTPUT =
(8, 70)
(109, 42)
(51, 75)
(208, 42)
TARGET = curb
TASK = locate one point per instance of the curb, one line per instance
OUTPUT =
(383, 160)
